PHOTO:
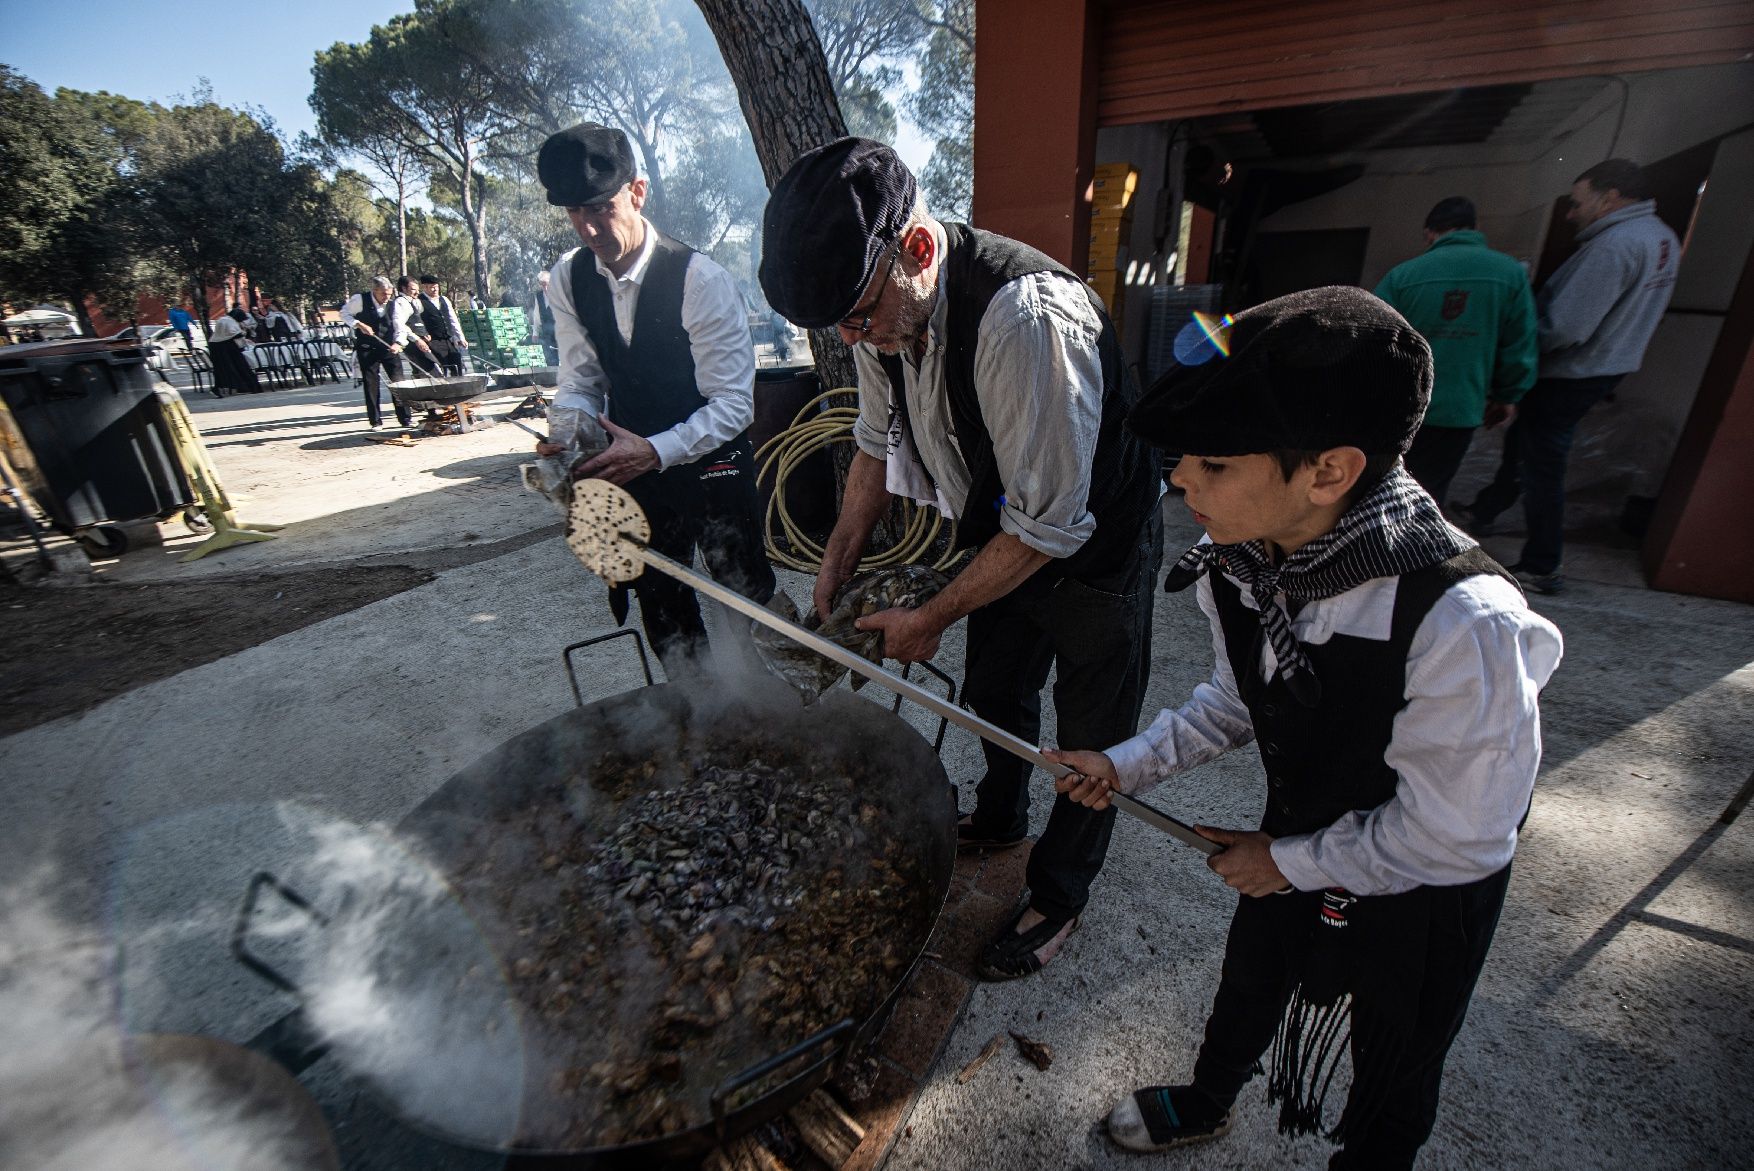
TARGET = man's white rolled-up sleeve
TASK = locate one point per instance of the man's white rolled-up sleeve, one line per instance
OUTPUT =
(1038, 375)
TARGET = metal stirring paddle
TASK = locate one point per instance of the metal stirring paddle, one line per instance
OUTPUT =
(608, 531)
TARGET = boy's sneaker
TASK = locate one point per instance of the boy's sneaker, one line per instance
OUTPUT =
(1540, 583)
(1158, 1118)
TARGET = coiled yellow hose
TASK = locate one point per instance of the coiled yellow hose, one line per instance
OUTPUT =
(812, 431)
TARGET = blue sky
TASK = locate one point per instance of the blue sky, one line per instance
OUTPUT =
(253, 54)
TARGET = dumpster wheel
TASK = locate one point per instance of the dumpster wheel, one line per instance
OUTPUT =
(102, 541)
(196, 521)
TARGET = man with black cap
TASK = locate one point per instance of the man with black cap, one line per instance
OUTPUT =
(442, 327)
(1390, 672)
(991, 385)
(654, 345)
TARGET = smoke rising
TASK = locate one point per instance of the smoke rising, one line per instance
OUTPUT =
(403, 985)
(77, 1094)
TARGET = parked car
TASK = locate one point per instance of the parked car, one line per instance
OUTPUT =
(165, 347)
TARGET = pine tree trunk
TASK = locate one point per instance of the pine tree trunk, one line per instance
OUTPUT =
(788, 99)
(475, 216)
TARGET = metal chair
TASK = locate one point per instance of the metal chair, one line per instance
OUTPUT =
(201, 371)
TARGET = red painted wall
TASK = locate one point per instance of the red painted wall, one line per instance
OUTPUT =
(1035, 122)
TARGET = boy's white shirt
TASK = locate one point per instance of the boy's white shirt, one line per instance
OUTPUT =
(1466, 746)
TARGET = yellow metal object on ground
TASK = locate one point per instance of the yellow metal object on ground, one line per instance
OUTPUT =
(192, 454)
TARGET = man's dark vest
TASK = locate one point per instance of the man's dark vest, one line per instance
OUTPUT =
(651, 378)
(1125, 474)
(378, 317)
(433, 318)
(1325, 761)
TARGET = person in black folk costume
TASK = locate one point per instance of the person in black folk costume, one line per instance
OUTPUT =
(1390, 672)
(654, 344)
(419, 345)
(379, 337)
(231, 369)
(991, 385)
(444, 331)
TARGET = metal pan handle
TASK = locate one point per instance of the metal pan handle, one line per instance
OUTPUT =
(246, 915)
(831, 1038)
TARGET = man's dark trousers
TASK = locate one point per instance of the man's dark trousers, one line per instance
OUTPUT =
(375, 368)
(1536, 448)
(1435, 455)
(1256, 982)
(725, 523)
(1096, 634)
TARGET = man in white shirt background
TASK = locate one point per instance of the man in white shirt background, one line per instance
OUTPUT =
(379, 335)
(654, 344)
(418, 343)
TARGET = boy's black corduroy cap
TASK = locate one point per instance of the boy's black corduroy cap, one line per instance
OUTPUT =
(831, 218)
(1332, 367)
(587, 163)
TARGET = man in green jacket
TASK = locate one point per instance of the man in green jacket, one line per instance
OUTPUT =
(1475, 308)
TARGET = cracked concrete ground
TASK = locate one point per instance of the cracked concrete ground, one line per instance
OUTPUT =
(1613, 1026)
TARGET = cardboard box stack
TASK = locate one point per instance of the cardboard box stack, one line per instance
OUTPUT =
(1111, 227)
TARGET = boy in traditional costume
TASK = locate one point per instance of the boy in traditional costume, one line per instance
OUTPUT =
(1390, 672)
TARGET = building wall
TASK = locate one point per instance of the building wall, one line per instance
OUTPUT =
(1623, 448)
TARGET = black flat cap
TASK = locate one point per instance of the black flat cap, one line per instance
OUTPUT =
(583, 164)
(830, 219)
(1324, 368)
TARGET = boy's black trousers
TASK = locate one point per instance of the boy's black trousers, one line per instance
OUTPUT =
(1257, 980)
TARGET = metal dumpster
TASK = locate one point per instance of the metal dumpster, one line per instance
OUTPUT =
(88, 438)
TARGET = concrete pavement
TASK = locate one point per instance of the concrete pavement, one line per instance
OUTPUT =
(1613, 1026)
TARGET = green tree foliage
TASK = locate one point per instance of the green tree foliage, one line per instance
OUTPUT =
(717, 189)
(69, 223)
(411, 83)
(943, 107)
(217, 193)
(862, 40)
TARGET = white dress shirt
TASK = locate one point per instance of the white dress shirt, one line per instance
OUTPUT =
(1038, 377)
(396, 321)
(1466, 746)
(718, 337)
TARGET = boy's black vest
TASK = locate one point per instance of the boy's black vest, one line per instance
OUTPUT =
(1326, 761)
(1125, 474)
(651, 377)
(378, 317)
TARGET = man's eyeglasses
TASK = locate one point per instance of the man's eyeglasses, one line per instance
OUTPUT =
(864, 323)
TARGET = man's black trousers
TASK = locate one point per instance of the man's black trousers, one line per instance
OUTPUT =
(725, 523)
(377, 366)
(1095, 634)
(1256, 982)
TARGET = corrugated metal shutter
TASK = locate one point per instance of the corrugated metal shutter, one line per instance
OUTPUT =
(1174, 59)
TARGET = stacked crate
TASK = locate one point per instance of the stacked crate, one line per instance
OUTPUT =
(498, 336)
(1111, 226)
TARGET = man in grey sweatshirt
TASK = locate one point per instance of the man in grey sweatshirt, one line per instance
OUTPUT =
(1596, 316)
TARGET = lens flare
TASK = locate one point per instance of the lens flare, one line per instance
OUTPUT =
(1206, 337)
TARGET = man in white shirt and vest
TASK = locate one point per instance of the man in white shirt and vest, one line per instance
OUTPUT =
(654, 345)
(991, 385)
(379, 336)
